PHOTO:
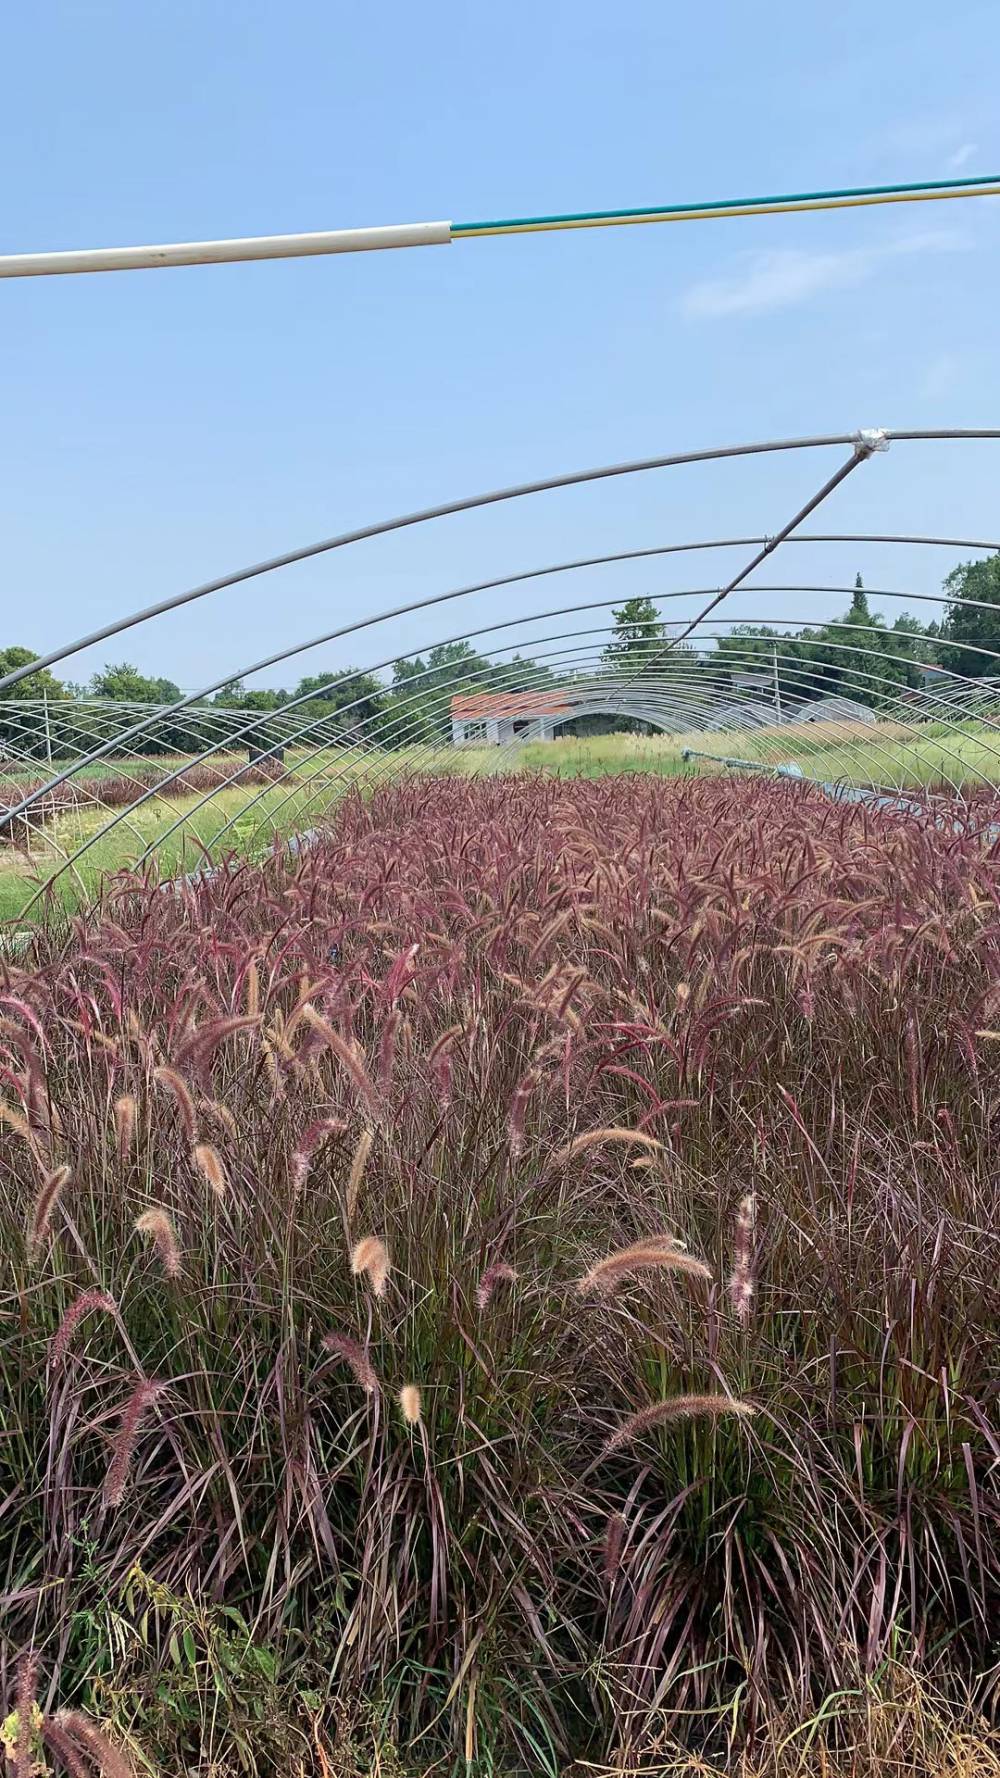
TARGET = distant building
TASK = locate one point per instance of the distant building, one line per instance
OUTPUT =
(494, 719)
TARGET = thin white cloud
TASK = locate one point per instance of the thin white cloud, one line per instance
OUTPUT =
(940, 376)
(962, 156)
(784, 277)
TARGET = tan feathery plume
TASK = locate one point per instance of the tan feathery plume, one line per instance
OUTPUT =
(44, 1205)
(253, 989)
(220, 1114)
(15, 1120)
(79, 1309)
(171, 1081)
(142, 1398)
(354, 1355)
(549, 932)
(741, 1281)
(409, 1404)
(592, 1138)
(356, 1174)
(677, 1407)
(125, 1110)
(660, 1253)
(370, 1258)
(346, 1053)
(157, 1224)
(209, 1164)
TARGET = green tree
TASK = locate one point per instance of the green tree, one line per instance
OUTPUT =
(26, 735)
(124, 682)
(860, 612)
(36, 685)
(967, 628)
(637, 643)
(360, 696)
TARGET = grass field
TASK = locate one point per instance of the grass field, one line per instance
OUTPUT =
(886, 756)
(514, 1291)
(889, 756)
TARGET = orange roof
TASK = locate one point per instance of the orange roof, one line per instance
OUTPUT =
(478, 706)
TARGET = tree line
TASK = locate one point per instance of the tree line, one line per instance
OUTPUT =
(812, 662)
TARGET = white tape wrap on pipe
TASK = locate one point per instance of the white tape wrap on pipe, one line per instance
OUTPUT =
(128, 259)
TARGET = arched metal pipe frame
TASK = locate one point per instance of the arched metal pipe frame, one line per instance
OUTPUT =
(375, 732)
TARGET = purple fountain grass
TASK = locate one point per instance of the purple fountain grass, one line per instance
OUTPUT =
(526, 1086)
(410, 1405)
(370, 1259)
(158, 1225)
(662, 1253)
(85, 1304)
(44, 1206)
(209, 1164)
(180, 1092)
(26, 1705)
(312, 1140)
(59, 1742)
(614, 1540)
(143, 1397)
(85, 1734)
(598, 1139)
(125, 1116)
(347, 1055)
(741, 1280)
(677, 1407)
(354, 1178)
(653, 1053)
(500, 1273)
(353, 1354)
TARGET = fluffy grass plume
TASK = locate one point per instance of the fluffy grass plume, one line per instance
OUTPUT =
(87, 1303)
(599, 1138)
(741, 1279)
(15, 1120)
(44, 1206)
(125, 1115)
(179, 1091)
(353, 1354)
(370, 1259)
(358, 1165)
(158, 1225)
(58, 1741)
(143, 1397)
(677, 1407)
(614, 1540)
(500, 1273)
(409, 1404)
(25, 1704)
(209, 1164)
(83, 1733)
(661, 1253)
(347, 1054)
(311, 1142)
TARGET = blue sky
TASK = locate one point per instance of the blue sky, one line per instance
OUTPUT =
(163, 427)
